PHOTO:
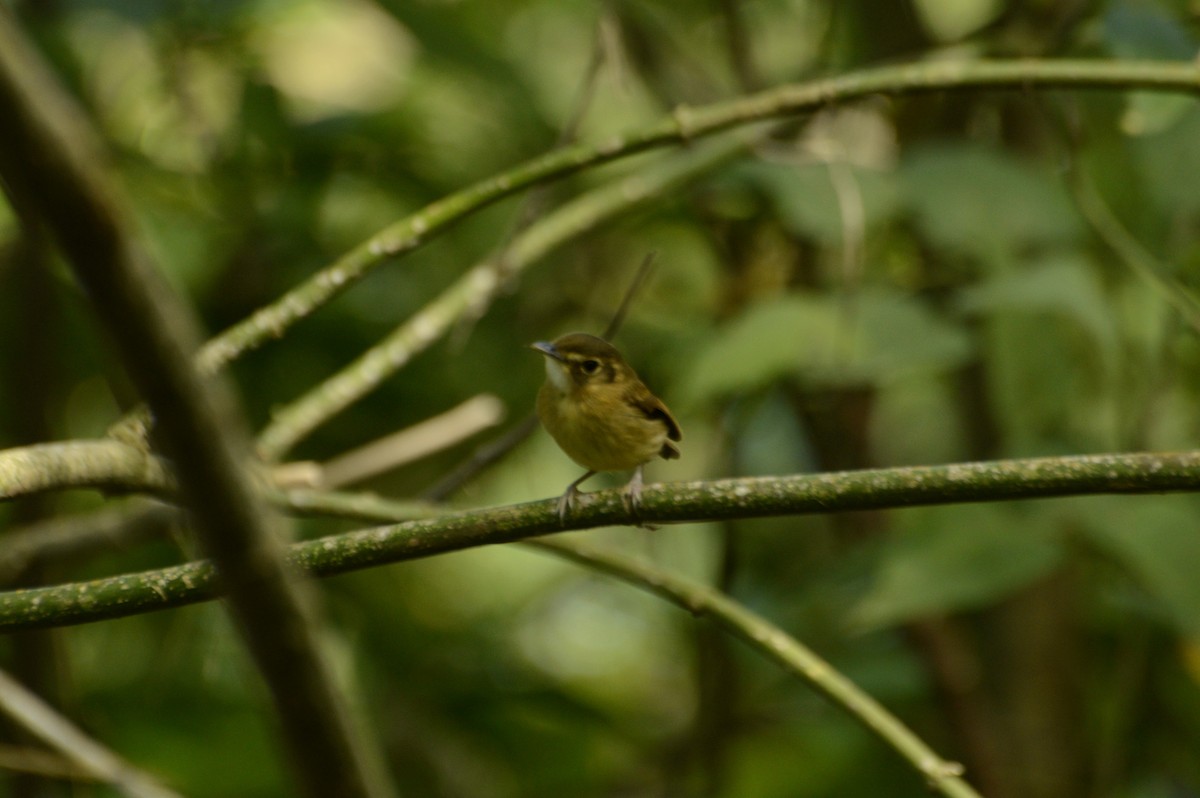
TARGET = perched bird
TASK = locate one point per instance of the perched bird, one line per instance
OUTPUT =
(601, 414)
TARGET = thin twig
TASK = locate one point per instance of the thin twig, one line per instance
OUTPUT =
(635, 287)
(480, 459)
(42, 721)
(1118, 238)
(412, 443)
(63, 538)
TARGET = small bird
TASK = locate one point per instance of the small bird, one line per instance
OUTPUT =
(601, 414)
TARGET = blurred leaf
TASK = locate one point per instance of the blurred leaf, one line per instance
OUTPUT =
(901, 335)
(1155, 540)
(329, 58)
(1164, 157)
(954, 20)
(984, 203)
(1142, 30)
(808, 204)
(948, 559)
(766, 342)
(871, 337)
(1066, 285)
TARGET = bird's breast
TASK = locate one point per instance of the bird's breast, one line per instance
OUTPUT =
(597, 432)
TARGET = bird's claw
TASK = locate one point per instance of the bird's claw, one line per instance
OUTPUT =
(566, 503)
(632, 495)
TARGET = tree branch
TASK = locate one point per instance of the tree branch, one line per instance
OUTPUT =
(105, 464)
(51, 164)
(776, 644)
(678, 502)
(41, 720)
(682, 127)
(478, 287)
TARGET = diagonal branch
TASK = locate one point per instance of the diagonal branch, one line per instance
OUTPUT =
(686, 124)
(51, 165)
(679, 502)
(778, 645)
(40, 719)
(477, 289)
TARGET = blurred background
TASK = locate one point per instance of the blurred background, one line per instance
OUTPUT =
(955, 276)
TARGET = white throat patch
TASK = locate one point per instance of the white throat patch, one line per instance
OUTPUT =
(556, 372)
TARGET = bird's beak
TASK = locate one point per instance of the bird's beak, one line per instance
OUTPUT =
(547, 349)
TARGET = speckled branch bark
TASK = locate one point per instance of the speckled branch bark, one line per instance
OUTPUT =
(106, 464)
(663, 503)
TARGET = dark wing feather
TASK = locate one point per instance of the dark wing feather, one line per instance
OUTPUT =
(653, 407)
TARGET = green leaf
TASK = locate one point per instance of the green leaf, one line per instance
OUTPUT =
(1064, 284)
(1165, 159)
(983, 203)
(809, 205)
(769, 340)
(947, 559)
(1140, 30)
(875, 336)
(1156, 541)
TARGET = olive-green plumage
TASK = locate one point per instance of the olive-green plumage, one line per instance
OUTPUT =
(601, 414)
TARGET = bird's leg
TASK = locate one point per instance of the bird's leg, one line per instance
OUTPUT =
(566, 502)
(633, 494)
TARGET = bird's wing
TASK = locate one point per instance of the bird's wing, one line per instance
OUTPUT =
(653, 407)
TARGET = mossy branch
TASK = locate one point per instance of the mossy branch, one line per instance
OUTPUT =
(677, 502)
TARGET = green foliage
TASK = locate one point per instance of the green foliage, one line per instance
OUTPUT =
(1149, 542)
(944, 560)
(873, 337)
(920, 282)
(986, 205)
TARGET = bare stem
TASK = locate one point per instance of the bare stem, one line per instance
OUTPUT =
(41, 720)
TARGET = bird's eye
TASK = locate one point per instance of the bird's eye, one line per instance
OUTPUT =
(590, 366)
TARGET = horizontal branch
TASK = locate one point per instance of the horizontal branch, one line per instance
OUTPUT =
(677, 502)
(103, 464)
(684, 125)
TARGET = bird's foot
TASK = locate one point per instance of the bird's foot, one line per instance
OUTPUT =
(632, 496)
(566, 503)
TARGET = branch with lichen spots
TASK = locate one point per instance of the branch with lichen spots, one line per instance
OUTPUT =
(677, 502)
